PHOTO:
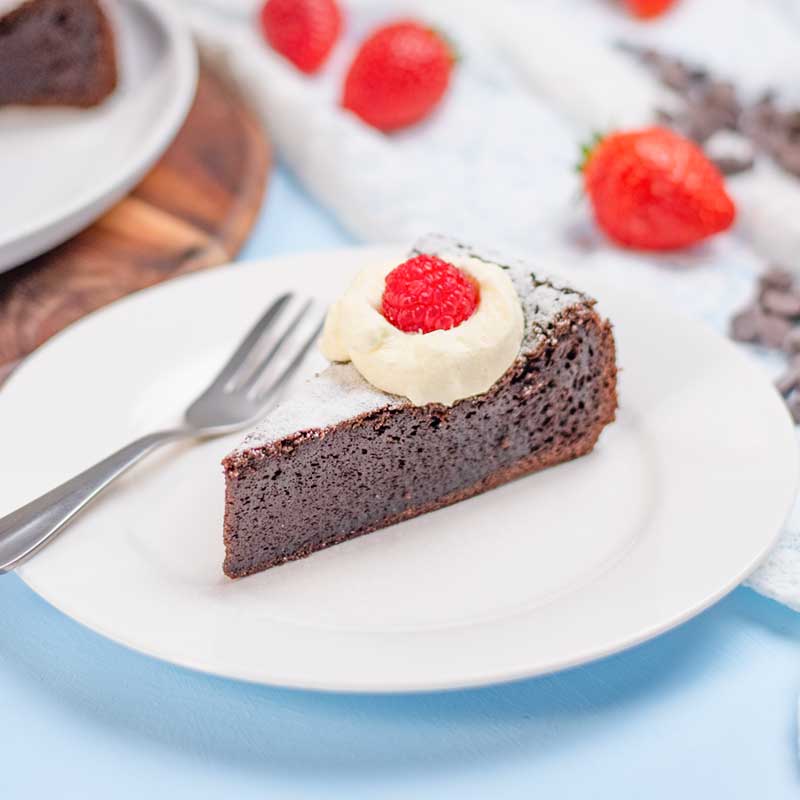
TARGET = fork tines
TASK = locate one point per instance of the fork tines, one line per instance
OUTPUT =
(274, 347)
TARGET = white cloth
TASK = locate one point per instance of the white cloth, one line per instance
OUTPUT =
(495, 162)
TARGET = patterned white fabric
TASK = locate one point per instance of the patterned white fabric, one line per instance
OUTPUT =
(495, 162)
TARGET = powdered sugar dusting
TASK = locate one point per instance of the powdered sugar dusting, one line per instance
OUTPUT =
(339, 392)
(543, 297)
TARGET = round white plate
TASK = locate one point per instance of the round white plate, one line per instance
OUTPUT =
(62, 168)
(682, 497)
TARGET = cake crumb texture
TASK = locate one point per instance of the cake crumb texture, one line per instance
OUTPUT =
(320, 486)
(57, 52)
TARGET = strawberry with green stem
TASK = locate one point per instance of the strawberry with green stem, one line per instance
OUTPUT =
(653, 189)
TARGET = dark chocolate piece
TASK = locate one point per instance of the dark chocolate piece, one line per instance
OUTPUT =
(711, 105)
(774, 330)
(729, 165)
(781, 302)
(788, 382)
(791, 344)
(777, 278)
(746, 325)
(794, 406)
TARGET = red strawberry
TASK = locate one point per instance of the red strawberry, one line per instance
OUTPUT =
(398, 76)
(652, 189)
(647, 9)
(304, 31)
(427, 294)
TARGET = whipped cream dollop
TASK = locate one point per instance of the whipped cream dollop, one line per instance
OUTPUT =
(437, 367)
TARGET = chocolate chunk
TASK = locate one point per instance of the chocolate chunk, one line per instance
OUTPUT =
(782, 303)
(763, 137)
(794, 406)
(728, 165)
(791, 124)
(649, 56)
(713, 107)
(665, 117)
(719, 100)
(766, 106)
(788, 156)
(772, 330)
(702, 123)
(761, 120)
(775, 277)
(674, 74)
(698, 74)
(788, 381)
(746, 325)
(723, 94)
(775, 141)
(791, 344)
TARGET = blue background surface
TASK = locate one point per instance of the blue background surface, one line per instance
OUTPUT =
(708, 710)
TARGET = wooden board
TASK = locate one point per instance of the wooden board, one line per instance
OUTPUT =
(193, 210)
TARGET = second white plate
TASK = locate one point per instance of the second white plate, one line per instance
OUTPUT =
(682, 497)
(62, 168)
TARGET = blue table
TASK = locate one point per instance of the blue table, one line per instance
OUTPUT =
(706, 711)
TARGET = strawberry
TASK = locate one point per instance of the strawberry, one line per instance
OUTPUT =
(647, 9)
(652, 189)
(398, 76)
(303, 31)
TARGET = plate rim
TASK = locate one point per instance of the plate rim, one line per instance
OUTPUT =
(486, 679)
(509, 674)
(90, 204)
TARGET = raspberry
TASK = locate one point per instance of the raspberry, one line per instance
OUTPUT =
(427, 294)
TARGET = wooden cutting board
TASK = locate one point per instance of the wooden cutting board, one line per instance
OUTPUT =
(193, 210)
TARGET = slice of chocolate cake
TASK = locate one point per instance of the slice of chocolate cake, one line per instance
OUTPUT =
(56, 52)
(343, 458)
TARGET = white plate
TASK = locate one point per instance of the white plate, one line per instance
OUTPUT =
(680, 500)
(62, 168)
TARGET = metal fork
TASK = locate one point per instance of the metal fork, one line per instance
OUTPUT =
(237, 397)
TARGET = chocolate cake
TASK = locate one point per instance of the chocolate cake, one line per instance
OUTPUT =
(56, 52)
(343, 458)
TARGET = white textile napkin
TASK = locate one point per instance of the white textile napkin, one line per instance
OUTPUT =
(495, 162)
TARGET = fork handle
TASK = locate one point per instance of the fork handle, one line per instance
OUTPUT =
(26, 530)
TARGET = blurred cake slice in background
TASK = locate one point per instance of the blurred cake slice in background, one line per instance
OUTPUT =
(56, 53)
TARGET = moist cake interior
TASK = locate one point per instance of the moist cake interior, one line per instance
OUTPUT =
(56, 52)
